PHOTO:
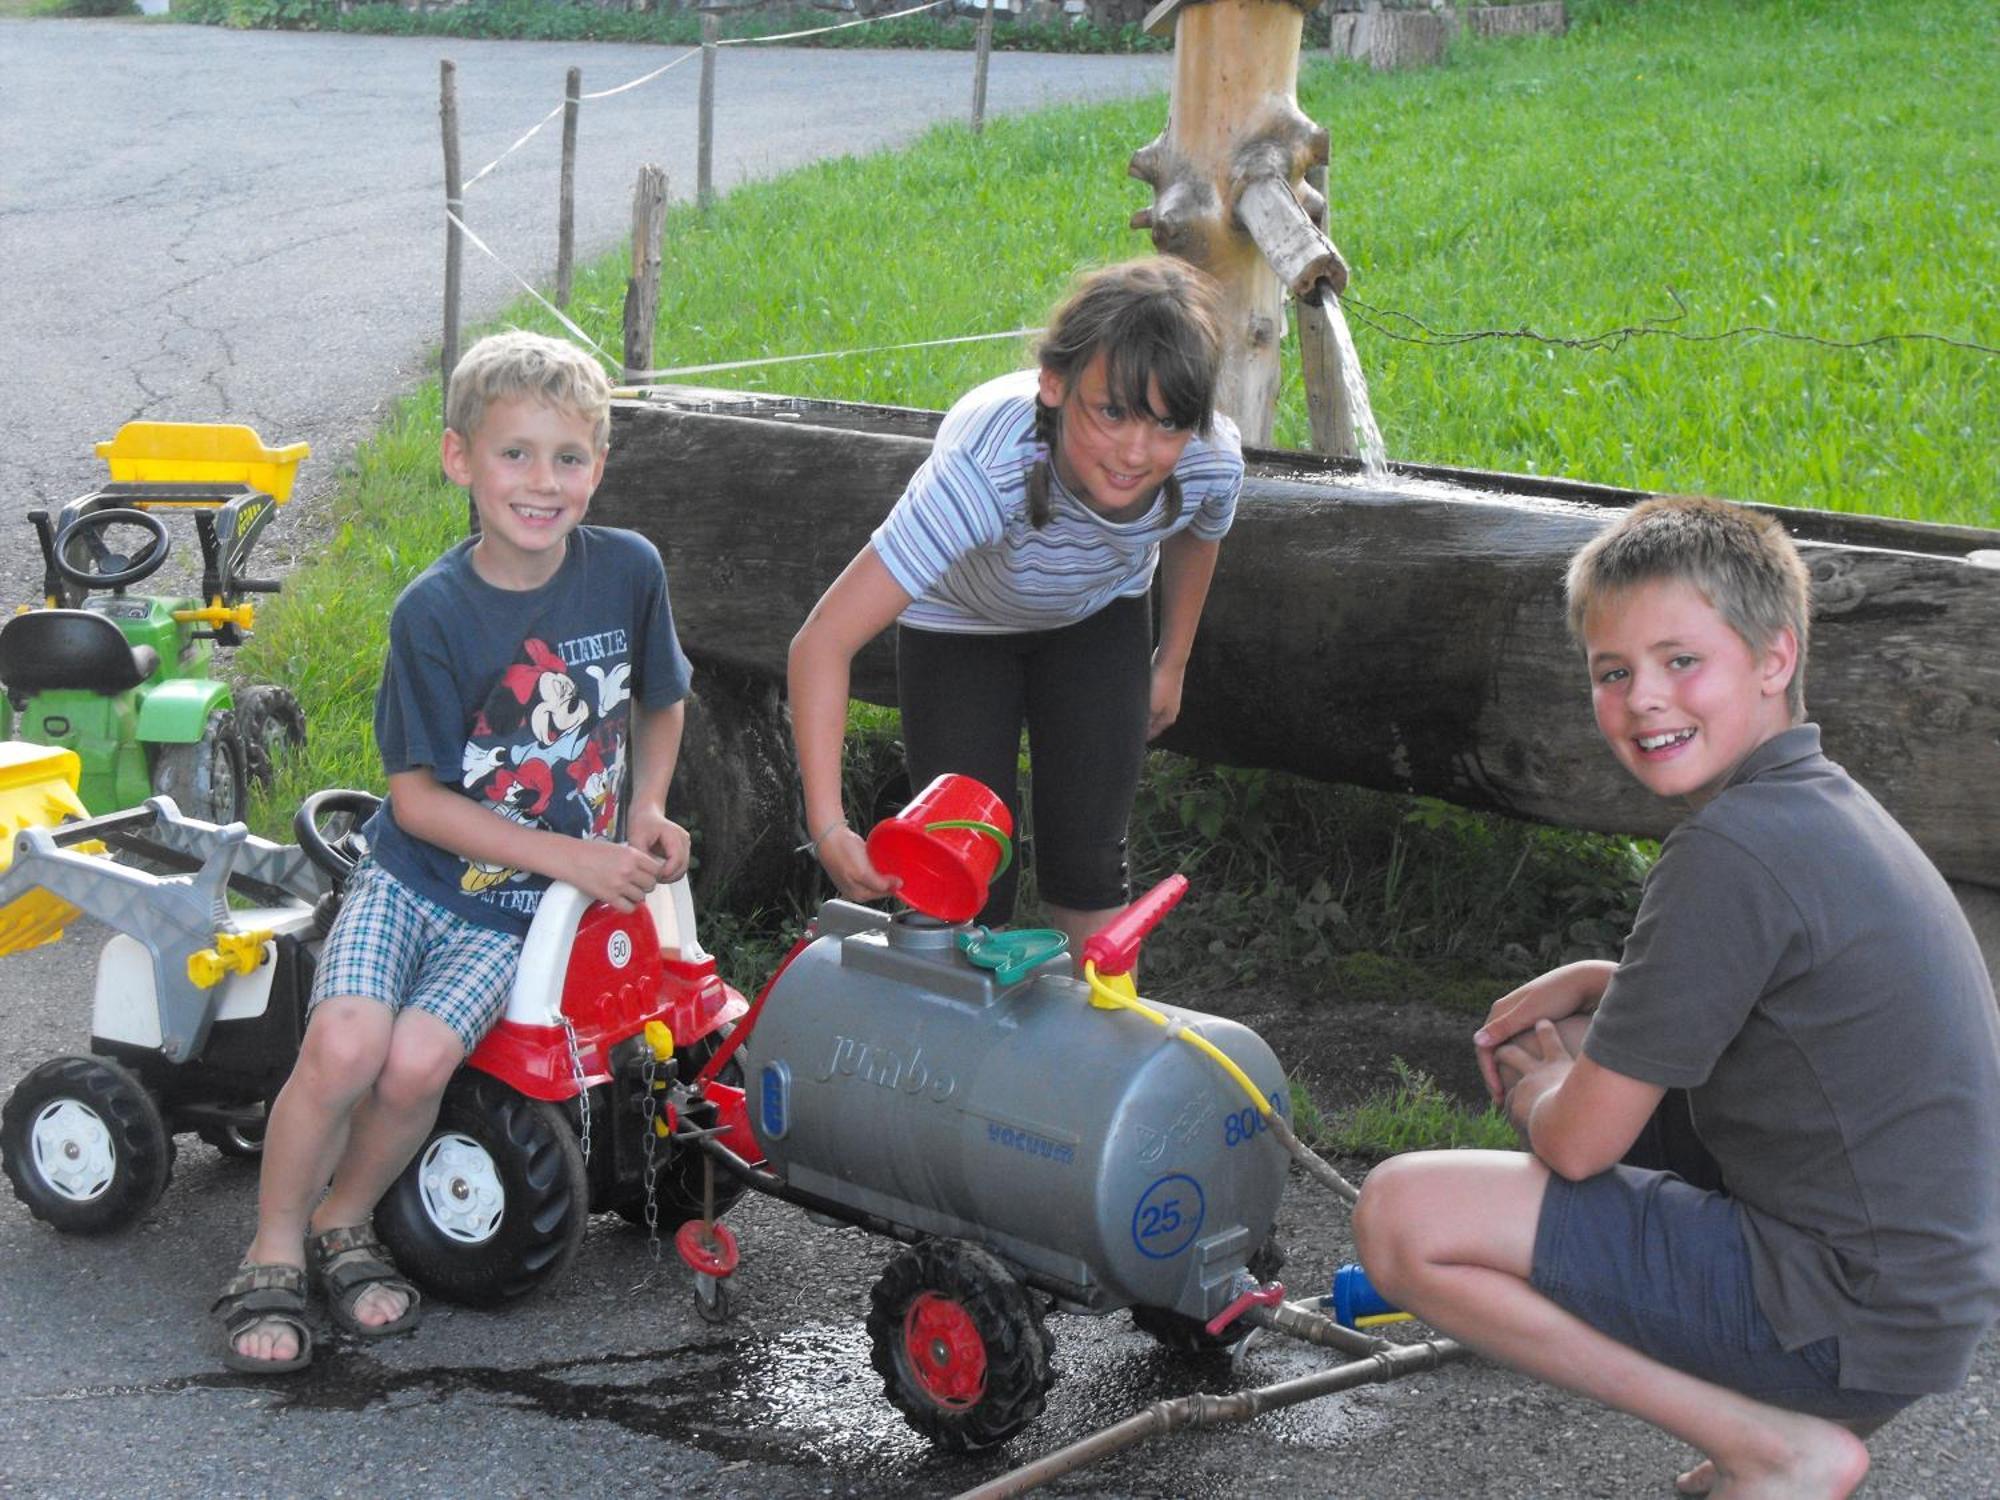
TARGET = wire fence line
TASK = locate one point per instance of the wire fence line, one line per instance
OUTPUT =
(458, 233)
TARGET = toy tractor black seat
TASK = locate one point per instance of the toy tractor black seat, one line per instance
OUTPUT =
(52, 650)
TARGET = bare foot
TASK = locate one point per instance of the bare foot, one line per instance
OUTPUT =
(381, 1303)
(1697, 1481)
(270, 1339)
(1803, 1458)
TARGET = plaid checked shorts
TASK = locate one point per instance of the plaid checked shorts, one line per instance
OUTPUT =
(390, 943)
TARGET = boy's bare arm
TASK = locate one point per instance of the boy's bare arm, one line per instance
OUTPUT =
(1573, 989)
(425, 808)
(656, 747)
(1578, 1116)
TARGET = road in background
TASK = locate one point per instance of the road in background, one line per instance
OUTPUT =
(205, 225)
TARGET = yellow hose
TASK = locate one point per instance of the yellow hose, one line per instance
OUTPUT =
(1117, 992)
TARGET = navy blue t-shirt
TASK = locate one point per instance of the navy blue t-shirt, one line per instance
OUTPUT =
(522, 701)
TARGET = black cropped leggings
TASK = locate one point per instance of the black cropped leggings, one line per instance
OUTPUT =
(1083, 691)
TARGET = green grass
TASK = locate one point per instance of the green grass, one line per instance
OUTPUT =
(1793, 162)
(1413, 1115)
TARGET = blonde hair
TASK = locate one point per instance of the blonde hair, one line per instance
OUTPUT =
(1740, 560)
(1156, 319)
(516, 363)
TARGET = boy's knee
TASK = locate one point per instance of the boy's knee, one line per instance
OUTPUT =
(420, 1063)
(346, 1044)
(1380, 1217)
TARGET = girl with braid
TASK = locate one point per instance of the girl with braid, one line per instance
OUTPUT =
(1017, 567)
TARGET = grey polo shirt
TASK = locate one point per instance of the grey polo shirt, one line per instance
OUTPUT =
(1803, 970)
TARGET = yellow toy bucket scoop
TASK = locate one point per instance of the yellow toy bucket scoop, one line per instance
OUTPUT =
(37, 790)
(201, 453)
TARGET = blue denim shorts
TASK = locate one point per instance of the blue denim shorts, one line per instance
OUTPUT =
(1663, 1268)
(390, 943)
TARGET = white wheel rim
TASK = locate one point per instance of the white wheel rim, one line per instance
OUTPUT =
(72, 1149)
(461, 1189)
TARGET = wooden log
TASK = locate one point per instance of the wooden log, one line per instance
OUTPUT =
(982, 58)
(454, 207)
(566, 189)
(1541, 17)
(1407, 638)
(1404, 38)
(704, 192)
(642, 288)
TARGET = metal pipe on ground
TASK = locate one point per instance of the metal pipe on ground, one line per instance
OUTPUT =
(1206, 1410)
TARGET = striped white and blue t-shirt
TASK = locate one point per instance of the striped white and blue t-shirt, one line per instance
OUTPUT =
(959, 542)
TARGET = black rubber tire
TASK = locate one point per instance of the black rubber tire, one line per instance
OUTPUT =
(205, 778)
(274, 730)
(113, 1101)
(1181, 1334)
(1008, 1323)
(678, 1175)
(523, 1147)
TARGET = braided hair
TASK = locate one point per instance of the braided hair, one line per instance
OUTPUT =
(1157, 321)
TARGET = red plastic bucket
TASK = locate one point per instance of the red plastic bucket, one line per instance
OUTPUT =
(947, 846)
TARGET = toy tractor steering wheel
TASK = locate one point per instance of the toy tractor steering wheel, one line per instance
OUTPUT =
(109, 569)
(335, 853)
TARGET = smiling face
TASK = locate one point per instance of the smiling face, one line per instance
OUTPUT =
(1680, 697)
(1108, 455)
(531, 468)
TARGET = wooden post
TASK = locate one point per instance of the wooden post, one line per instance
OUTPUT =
(566, 194)
(1227, 188)
(642, 290)
(704, 190)
(980, 57)
(454, 203)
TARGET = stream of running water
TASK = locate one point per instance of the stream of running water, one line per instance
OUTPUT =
(1368, 446)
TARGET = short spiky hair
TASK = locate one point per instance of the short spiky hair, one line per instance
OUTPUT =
(528, 364)
(1739, 559)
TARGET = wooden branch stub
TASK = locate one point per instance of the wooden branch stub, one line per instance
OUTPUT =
(1303, 257)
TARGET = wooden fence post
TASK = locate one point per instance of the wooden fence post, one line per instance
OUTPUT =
(566, 200)
(704, 193)
(454, 204)
(981, 56)
(642, 290)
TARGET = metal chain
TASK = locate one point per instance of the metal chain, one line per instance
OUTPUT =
(582, 1087)
(649, 1148)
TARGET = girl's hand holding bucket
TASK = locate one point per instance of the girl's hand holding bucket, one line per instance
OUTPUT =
(843, 854)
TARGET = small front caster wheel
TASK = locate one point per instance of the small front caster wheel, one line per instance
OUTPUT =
(85, 1145)
(959, 1344)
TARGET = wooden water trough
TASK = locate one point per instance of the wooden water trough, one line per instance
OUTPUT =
(1407, 637)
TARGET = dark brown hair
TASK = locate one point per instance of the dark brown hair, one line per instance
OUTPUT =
(1157, 319)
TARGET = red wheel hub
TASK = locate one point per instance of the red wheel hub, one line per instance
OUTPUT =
(946, 1355)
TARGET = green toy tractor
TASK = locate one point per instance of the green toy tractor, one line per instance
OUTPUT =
(124, 679)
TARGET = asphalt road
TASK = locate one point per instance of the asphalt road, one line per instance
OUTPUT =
(204, 225)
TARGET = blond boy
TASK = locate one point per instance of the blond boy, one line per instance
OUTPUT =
(533, 680)
(1800, 970)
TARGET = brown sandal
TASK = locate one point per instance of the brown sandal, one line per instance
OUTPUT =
(347, 1263)
(264, 1294)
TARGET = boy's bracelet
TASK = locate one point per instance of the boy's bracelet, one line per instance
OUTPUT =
(811, 846)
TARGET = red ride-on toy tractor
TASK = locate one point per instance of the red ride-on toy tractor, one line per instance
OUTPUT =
(562, 1111)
